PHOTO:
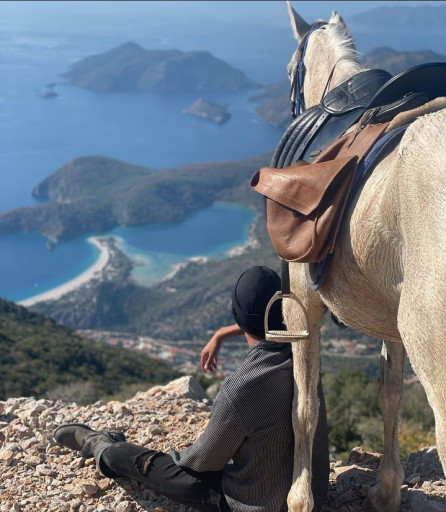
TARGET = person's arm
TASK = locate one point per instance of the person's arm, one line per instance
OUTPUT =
(210, 351)
(221, 439)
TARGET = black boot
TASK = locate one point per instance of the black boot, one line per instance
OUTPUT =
(89, 442)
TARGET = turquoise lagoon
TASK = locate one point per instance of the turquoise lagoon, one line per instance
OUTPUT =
(28, 268)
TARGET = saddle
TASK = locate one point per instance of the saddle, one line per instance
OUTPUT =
(312, 174)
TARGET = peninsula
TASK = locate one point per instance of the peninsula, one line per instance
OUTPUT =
(130, 67)
(94, 194)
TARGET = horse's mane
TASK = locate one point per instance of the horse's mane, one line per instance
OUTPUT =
(344, 47)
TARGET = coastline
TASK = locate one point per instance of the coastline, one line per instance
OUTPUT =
(250, 243)
(105, 261)
(92, 272)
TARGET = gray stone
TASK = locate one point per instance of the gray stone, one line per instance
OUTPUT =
(416, 500)
(435, 506)
(412, 479)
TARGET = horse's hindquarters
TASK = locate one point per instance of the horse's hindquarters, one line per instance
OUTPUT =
(421, 315)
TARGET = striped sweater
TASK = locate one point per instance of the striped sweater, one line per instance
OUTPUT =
(249, 435)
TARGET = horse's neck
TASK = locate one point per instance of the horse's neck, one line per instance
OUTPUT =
(345, 69)
(336, 71)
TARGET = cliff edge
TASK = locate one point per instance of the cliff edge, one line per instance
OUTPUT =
(36, 474)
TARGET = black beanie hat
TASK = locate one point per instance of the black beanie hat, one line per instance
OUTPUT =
(251, 295)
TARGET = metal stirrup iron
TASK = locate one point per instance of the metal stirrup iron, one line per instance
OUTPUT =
(285, 293)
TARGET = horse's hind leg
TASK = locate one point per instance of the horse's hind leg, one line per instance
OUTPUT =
(422, 324)
(386, 495)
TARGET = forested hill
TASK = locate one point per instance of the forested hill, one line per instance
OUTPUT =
(97, 193)
(130, 67)
(38, 356)
(395, 62)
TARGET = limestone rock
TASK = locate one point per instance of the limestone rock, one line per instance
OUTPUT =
(186, 387)
(6, 457)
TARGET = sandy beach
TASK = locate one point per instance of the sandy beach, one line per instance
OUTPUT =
(86, 276)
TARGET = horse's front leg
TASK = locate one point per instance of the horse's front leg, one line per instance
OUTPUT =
(305, 418)
(386, 495)
(306, 361)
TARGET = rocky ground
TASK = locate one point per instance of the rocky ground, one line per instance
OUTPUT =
(37, 475)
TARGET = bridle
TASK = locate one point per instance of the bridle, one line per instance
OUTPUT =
(297, 81)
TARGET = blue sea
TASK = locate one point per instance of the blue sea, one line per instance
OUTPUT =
(39, 40)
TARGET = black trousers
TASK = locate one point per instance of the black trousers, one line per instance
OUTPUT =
(158, 471)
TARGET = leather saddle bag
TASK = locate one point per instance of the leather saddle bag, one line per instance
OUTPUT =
(304, 205)
(305, 202)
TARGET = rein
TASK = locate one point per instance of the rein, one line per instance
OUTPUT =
(297, 82)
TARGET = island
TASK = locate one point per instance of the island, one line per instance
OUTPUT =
(130, 67)
(208, 110)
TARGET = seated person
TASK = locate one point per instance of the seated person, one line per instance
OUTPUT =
(243, 461)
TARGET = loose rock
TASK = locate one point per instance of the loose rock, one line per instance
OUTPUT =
(36, 474)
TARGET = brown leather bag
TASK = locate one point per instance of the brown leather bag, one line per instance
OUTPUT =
(305, 202)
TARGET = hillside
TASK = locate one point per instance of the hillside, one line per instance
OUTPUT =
(38, 356)
(274, 105)
(38, 475)
(97, 193)
(130, 67)
(395, 62)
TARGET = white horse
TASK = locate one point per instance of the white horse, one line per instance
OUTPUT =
(387, 277)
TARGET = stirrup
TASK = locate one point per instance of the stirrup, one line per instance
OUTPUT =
(285, 336)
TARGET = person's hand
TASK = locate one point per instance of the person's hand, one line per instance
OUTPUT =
(212, 348)
(209, 353)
